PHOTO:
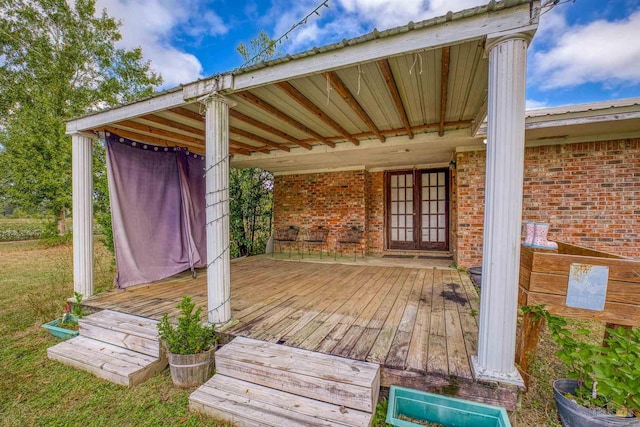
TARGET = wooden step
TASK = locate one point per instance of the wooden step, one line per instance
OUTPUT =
(344, 382)
(248, 405)
(107, 361)
(123, 330)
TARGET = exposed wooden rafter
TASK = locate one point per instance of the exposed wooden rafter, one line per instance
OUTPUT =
(249, 147)
(348, 97)
(154, 131)
(185, 112)
(444, 84)
(260, 103)
(139, 137)
(265, 127)
(297, 96)
(259, 139)
(199, 132)
(395, 94)
(196, 148)
(420, 128)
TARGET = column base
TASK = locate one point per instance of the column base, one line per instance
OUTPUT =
(221, 327)
(483, 374)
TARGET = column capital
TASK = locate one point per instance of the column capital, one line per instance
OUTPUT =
(216, 97)
(494, 41)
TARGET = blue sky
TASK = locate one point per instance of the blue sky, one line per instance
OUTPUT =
(584, 51)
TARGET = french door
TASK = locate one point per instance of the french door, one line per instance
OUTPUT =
(418, 209)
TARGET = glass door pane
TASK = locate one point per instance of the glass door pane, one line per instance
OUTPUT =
(401, 200)
(434, 202)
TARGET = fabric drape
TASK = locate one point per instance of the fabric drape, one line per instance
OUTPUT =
(157, 208)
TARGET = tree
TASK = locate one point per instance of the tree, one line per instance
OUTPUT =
(262, 48)
(251, 201)
(58, 60)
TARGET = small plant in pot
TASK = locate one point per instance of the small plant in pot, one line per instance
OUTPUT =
(603, 388)
(190, 345)
(67, 325)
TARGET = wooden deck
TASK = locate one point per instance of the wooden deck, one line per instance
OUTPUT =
(419, 324)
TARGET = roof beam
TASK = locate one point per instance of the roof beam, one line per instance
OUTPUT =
(173, 124)
(416, 129)
(444, 85)
(260, 103)
(265, 127)
(154, 131)
(249, 147)
(297, 96)
(149, 105)
(185, 112)
(348, 97)
(259, 139)
(385, 68)
(151, 139)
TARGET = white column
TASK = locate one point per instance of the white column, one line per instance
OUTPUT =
(82, 186)
(217, 199)
(502, 210)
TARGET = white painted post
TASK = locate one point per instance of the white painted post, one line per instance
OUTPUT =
(502, 210)
(82, 187)
(217, 200)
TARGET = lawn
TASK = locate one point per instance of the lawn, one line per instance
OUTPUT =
(34, 391)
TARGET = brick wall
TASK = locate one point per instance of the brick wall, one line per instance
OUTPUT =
(588, 192)
(335, 200)
(375, 205)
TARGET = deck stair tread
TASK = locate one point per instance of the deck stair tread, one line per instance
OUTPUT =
(262, 383)
(124, 330)
(320, 376)
(248, 404)
(116, 364)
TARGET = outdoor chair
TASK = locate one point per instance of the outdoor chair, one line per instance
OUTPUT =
(316, 236)
(349, 236)
(285, 235)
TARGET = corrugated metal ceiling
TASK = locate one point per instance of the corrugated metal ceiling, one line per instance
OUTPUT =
(353, 104)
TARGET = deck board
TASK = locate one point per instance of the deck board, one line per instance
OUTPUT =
(421, 321)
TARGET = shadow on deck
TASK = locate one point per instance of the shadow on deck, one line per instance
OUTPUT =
(417, 321)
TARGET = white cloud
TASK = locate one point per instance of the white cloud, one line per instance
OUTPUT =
(351, 18)
(386, 14)
(150, 24)
(532, 104)
(601, 52)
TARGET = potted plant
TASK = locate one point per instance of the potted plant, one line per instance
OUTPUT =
(603, 388)
(190, 345)
(67, 325)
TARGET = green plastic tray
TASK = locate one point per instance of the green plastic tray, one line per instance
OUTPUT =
(447, 411)
(59, 332)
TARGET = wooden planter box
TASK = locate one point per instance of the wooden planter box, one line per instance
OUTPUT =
(544, 276)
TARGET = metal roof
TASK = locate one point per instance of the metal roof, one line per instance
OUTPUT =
(359, 104)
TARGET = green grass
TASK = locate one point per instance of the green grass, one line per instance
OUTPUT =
(35, 391)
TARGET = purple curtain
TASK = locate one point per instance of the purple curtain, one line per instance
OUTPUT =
(157, 208)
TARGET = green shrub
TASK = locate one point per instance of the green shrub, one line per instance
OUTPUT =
(190, 336)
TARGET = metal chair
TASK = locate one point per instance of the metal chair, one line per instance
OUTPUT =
(316, 236)
(350, 236)
(285, 235)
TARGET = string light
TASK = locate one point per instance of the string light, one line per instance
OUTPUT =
(285, 36)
